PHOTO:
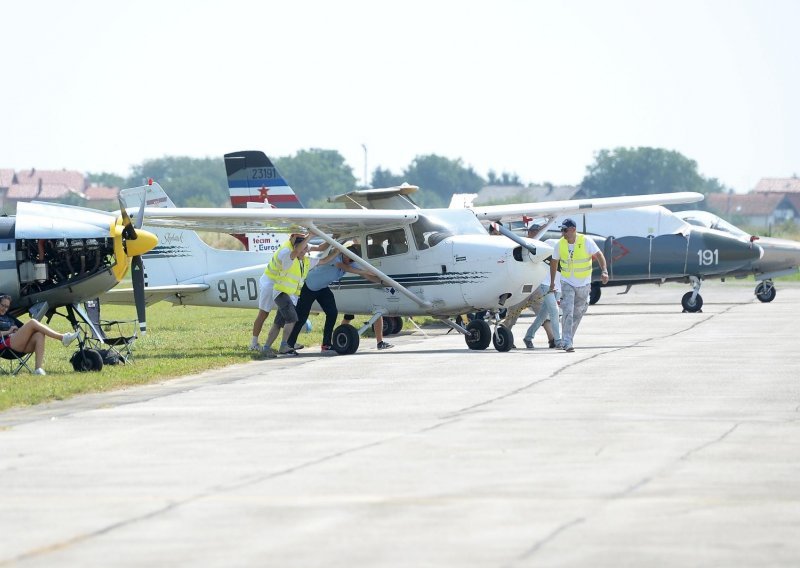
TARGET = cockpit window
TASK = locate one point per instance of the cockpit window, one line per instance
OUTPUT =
(432, 228)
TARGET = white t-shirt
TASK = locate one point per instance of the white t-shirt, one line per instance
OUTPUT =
(591, 249)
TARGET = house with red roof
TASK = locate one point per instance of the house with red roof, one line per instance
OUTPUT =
(773, 201)
(59, 186)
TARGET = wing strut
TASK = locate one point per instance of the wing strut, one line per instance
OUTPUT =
(369, 268)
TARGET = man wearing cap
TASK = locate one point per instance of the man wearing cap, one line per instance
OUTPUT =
(574, 254)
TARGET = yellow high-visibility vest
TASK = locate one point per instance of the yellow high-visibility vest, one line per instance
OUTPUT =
(275, 266)
(580, 265)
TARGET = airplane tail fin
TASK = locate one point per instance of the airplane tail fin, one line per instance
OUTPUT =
(252, 178)
(254, 181)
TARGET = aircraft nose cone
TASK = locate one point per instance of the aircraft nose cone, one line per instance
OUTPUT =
(145, 242)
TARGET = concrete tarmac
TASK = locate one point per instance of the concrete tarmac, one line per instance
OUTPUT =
(666, 439)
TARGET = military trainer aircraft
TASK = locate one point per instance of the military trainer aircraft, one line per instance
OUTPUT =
(54, 256)
(435, 262)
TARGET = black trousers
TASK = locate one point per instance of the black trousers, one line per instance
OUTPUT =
(326, 301)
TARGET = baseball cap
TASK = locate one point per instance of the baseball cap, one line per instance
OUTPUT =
(566, 223)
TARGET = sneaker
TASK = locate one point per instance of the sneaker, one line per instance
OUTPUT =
(528, 343)
(69, 338)
(39, 371)
(286, 350)
(269, 353)
(328, 350)
(255, 347)
(569, 349)
(385, 345)
(551, 344)
(297, 346)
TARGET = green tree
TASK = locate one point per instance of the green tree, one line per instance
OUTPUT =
(439, 178)
(190, 182)
(385, 178)
(503, 179)
(106, 179)
(632, 171)
(317, 174)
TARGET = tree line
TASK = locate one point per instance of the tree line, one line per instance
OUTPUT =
(315, 174)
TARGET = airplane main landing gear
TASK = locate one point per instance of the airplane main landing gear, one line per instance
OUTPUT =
(345, 339)
(480, 335)
(765, 291)
(595, 293)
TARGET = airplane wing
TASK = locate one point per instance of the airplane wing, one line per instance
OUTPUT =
(514, 211)
(153, 294)
(339, 221)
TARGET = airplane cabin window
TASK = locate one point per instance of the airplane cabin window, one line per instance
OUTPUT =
(387, 243)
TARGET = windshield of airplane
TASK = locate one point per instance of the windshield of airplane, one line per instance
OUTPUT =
(434, 226)
(711, 221)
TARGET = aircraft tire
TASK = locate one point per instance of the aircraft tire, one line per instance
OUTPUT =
(480, 335)
(87, 360)
(397, 325)
(688, 305)
(503, 339)
(387, 326)
(345, 339)
(595, 293)
(765, 292)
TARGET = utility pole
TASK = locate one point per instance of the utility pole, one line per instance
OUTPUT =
(366, 180)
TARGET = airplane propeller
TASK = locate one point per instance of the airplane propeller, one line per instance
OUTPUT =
(137, 242)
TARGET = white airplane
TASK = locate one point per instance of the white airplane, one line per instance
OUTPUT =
(58, 256)
(434, 262)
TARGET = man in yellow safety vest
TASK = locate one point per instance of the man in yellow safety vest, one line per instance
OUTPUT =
(573, 256)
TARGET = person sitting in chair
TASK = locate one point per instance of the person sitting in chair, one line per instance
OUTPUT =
(27, 337)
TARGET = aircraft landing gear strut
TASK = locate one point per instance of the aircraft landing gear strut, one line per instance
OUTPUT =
(765, 291)
(693, 301)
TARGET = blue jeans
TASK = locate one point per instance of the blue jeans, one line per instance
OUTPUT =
(574, 302)
(549, 310)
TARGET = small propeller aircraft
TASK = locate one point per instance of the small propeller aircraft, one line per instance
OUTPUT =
(434, 262)
(781, 257)
(54, 256)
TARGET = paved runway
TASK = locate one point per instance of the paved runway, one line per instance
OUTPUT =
(666, 439)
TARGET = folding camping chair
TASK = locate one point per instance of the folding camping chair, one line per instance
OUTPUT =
(12, 362)
(117, 336)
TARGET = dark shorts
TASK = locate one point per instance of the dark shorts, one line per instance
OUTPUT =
(286, 312)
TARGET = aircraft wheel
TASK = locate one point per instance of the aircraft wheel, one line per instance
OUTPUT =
(503, 339)
(480, 334)
(87, 360)
(689, 305)
(765, 291)
(596, 292)
(397, 324)
(387, 326)
(345, 339)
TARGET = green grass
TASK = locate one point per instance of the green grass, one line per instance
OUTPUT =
(180, 341)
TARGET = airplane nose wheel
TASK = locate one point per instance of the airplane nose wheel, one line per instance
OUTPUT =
(690, 305)
(503, 339)
(765, 291)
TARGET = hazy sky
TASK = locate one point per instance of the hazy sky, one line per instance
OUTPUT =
(531, 87)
